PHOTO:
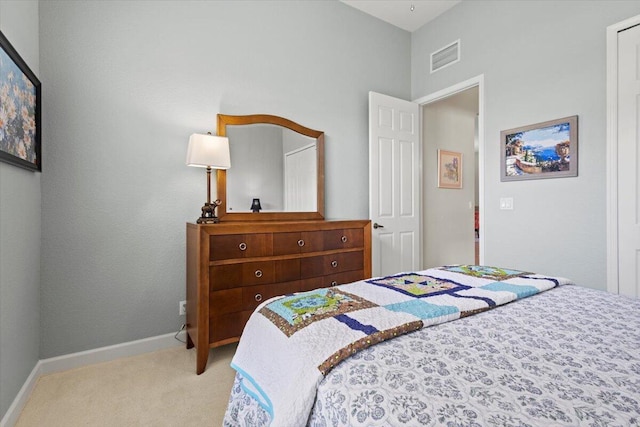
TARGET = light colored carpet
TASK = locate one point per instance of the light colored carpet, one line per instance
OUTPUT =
(153, 389)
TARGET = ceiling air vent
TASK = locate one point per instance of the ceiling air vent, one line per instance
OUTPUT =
(450, 54)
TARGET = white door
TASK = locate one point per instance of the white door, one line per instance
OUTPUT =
(394, 184)
(628, 155)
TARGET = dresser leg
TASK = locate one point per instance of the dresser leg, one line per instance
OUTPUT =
(202, 355)
(189, 341)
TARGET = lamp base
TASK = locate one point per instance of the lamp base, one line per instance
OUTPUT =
(213, 220)
(209, 213)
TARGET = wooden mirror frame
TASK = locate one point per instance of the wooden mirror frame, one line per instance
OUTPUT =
(223, 121)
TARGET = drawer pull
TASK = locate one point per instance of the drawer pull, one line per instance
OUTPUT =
(344, 239)
(334, 283)
(301, 243)
(334, 263)
(258, 297)
(242, 246)
(258, 273)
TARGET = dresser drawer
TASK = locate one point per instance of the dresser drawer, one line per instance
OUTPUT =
(227, 326)
(252, 296)
(342, 278)
(287, 270)
(226, 301)
(232, 246)
(312, 283)
(331, 280)
(346, 261)
(330, 264)
(256, 273)
(312, 267)
(298, 242)
(243, 274)
(343, 239)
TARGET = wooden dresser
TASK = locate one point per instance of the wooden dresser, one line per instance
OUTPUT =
(233, 267)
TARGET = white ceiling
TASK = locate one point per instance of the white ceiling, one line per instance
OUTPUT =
(399, 13)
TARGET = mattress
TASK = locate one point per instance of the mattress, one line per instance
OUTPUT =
(569, 356)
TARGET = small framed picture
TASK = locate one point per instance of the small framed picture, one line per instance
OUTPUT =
(449, 169)
(20, 108)
(542, 150)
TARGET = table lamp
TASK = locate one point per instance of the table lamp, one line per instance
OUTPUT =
(211, 152)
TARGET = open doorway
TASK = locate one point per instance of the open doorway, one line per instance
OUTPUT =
(417, 174)
(452, 218)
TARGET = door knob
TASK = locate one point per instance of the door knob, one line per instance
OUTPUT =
(376, 225)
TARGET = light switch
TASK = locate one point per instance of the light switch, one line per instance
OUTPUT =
(506, 203)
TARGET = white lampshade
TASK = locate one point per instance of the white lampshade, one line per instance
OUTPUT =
(208, 150)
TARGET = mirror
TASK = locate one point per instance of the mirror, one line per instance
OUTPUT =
(275, 160)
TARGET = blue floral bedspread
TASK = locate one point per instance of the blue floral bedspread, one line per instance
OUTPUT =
(290, 342)
(566, 357)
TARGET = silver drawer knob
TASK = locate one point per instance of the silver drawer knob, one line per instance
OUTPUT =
(334, 264)
(334, 283)
(242, 246)
(258, 273)
(258, 297)
(301, 243)
(344, 239)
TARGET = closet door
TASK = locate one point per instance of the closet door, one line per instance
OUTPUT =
(300, 174)
(628, 158)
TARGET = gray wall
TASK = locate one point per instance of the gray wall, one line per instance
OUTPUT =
(19, 232)
(541, 60)
(125, 85)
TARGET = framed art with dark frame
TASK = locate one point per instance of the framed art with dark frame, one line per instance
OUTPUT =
(20, 110)
(542, 150)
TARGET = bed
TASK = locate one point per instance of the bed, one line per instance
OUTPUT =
(545, 352)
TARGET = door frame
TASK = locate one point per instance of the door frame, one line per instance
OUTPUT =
(612, 149)
(445, 93)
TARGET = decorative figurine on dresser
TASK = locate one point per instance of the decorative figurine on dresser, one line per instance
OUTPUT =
(245, 257)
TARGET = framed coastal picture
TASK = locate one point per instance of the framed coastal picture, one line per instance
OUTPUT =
(449, 169)
(20, 110)
(543, 150)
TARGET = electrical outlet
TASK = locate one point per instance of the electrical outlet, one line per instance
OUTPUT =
(183, 307)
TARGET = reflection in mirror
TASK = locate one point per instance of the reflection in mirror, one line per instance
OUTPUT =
(275, 160)
(273, 164)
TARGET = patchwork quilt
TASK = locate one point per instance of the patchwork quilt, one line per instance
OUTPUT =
(291, 342)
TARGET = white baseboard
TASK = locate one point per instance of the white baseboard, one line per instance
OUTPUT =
(11, 417)
(84, 358)
(106, 354)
